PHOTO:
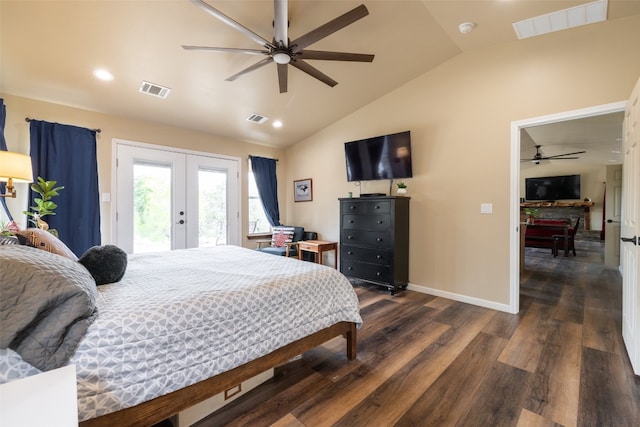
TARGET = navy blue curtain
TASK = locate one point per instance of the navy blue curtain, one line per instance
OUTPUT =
(67, 154)
(3, 147)
(264, 172)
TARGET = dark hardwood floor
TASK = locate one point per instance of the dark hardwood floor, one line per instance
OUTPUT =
(429, 361)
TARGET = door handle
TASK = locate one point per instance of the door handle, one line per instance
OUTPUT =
(181, 221)
(609, 221)
(633, 240)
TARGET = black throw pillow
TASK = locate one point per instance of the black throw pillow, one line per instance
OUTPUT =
(106, 264)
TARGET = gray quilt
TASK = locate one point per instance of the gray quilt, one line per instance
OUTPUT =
(47, 303)
(179, 317)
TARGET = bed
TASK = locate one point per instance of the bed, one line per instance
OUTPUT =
(184, 325)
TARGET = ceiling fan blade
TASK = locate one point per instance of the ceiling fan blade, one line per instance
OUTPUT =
(559, 158)
(283, 77)
(255, 66)
(233, 24)
(281, 22)
(566, 154)
(334, 56)
(329, 28)
(313, 72)
(227, 49)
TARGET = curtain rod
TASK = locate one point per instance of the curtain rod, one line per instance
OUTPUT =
(27, 119)
(250, 156)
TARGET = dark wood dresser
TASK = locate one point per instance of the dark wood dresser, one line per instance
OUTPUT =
(374, 240)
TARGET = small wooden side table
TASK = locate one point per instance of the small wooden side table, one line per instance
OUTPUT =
(318, 247)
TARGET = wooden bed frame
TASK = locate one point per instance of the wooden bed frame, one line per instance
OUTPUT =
(162, 407)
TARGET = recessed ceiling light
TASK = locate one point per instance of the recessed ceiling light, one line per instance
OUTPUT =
(277, 124)
(103, 74)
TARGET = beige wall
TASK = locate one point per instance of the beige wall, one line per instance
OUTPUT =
(17, 134)
(460, 115)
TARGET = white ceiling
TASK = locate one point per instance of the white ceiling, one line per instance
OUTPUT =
(600, 136)
(50, 49)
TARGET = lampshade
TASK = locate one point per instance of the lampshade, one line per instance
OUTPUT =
(16, 166)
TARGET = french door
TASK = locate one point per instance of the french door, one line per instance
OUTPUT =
(169, 199)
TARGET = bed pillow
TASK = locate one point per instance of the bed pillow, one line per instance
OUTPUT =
(46, 241)
(47, 304)
(106, 264)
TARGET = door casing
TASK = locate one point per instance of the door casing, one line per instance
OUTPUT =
(514, 235)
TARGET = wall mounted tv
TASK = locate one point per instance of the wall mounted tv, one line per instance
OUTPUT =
(550, 188)
(380, 157)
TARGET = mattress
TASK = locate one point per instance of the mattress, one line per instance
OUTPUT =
(179, 317)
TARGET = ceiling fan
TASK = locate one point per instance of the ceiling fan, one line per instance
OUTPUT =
(284, 52)
(538, 157)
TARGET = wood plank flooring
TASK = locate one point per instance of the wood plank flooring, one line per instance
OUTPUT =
(428, 361)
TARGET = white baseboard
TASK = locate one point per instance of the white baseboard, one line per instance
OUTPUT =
(460, 298)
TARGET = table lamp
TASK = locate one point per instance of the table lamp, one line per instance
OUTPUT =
(14, 167)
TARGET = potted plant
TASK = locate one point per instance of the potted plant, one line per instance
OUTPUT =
(402, 187)
(44, 206)
(532, 214)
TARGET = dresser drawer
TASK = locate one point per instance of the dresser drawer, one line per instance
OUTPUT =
(366, 271)
(365, 207)
(372, 256)
(372, 239)
(366, 222)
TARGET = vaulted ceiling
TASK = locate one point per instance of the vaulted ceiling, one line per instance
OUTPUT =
(50, 49)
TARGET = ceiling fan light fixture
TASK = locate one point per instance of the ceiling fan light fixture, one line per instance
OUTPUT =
(281, 58)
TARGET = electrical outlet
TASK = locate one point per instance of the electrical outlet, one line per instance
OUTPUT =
(486, 208)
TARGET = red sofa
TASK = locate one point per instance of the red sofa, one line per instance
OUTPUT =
(555, 234)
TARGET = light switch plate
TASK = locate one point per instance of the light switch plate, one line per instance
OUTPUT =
(486, 208)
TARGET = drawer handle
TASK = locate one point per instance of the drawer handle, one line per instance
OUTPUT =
(350, 237)
(349, 253)
(349, 268)
(350, 221)
(352, 207)
(378, 273)
(379, 256)
(377, 207)
(380, 221)
(379, 239)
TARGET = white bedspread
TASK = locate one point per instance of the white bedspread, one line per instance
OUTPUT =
(179, 317)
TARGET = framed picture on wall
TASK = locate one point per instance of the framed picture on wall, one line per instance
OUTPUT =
(302, 191)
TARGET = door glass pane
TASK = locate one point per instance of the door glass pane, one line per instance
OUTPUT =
(212, 208)
(151, 207)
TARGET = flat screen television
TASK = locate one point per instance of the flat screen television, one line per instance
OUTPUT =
(551, 188)
(380, 157)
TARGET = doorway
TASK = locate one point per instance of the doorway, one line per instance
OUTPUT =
(173, 199)
(516, 155)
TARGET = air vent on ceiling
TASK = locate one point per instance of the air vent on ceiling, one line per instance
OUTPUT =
(257, 118)
(154, 89)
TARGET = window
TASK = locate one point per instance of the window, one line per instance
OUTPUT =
(258, 222)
